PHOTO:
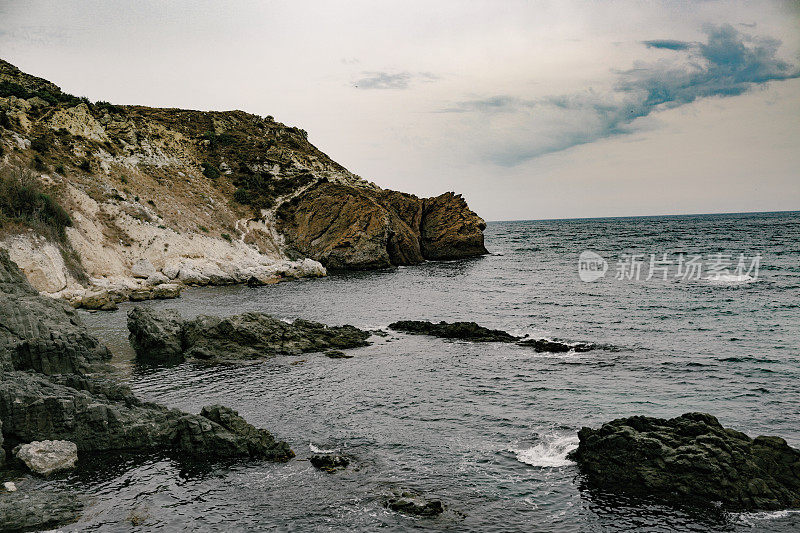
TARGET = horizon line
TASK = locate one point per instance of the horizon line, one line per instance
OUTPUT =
(646, 216)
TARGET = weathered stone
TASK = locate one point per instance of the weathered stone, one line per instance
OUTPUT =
(100, 301)
(329, 462)
(414, 504)
(156, 336)
(693, 459)
(166, 291)
(449, 229)
(39, 333)
(456, 330)
(357, 228)
(143, 268)
(37, 510)
(48, 456)
(161, 335)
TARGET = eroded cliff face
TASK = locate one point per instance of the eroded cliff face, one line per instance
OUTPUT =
(165, 196)
(350, 228)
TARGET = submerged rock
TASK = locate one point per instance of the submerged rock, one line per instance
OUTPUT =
(37, 510)
(414, 504)
(329, 462)
(161, 335)
(691, 458)
(48, 456)
(544, 345)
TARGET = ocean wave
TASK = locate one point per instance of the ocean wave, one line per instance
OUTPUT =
(550, 452)
(730, 278)
(315, 449)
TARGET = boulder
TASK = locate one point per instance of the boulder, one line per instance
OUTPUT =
(140, 295)
(39, 333)
(156, 336)
(328, 462)
(99, 301)
(48, 456)
(166, 291)
(163, 336)
(156, 279)
(143, 268)
(690, 459)
(413, 503)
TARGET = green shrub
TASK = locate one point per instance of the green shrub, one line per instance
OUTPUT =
(227, 237)
(203, 229)
(40, 144)
(38, 164)
(4, 120)
(242, 196)
(22, 200)
(210, 171)
(85, 165)
(61, 170)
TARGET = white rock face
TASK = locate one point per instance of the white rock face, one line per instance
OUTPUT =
(40, 260)
(49, 456)
(10, 486)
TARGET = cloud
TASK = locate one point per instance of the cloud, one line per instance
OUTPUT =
(728, 64)
(386, 80)
(668, 44)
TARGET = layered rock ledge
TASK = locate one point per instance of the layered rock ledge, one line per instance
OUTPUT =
(691, 459)
(162, 336)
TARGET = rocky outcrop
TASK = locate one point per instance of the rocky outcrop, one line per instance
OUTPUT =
(161, 336)
(691, 458)
(48, 456)
(41, 334)
(345, 227)
(47, 394)
(470, 331)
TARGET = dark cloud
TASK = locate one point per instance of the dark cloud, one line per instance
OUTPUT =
(668, 44)
(729, 63)
(386, 80)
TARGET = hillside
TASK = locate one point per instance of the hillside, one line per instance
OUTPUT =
(164, 196)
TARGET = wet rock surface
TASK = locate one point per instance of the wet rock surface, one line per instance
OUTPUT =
(37, 510)
(162, 336)
(329, 462)
(691, 459)
(470, 331)
(413, 503)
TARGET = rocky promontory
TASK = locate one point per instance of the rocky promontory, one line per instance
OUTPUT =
(162, 336)
(691, 459)
(133, 202)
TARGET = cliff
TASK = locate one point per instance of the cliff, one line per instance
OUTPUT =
(162, 196)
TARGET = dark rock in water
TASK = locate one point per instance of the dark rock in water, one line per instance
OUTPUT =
(99, 415)
(329, 462)
(156, 335)
(414, 504)
(41, 334)
(544, 345)
(469, 331)
(691, 459)
(337, 354)
(161, 335)
(37, 510)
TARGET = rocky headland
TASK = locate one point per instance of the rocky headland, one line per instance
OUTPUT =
(162, 336)
(691, 459)
(53, 387)
(104, 203)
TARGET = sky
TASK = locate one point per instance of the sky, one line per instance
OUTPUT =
(531, 110)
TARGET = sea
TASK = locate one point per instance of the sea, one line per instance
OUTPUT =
(484, 427)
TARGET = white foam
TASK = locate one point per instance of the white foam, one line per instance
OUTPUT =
(750, 518)
(550, 452)
(730, 278)
(314, 449)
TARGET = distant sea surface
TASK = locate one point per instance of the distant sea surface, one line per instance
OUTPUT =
(484, 427)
